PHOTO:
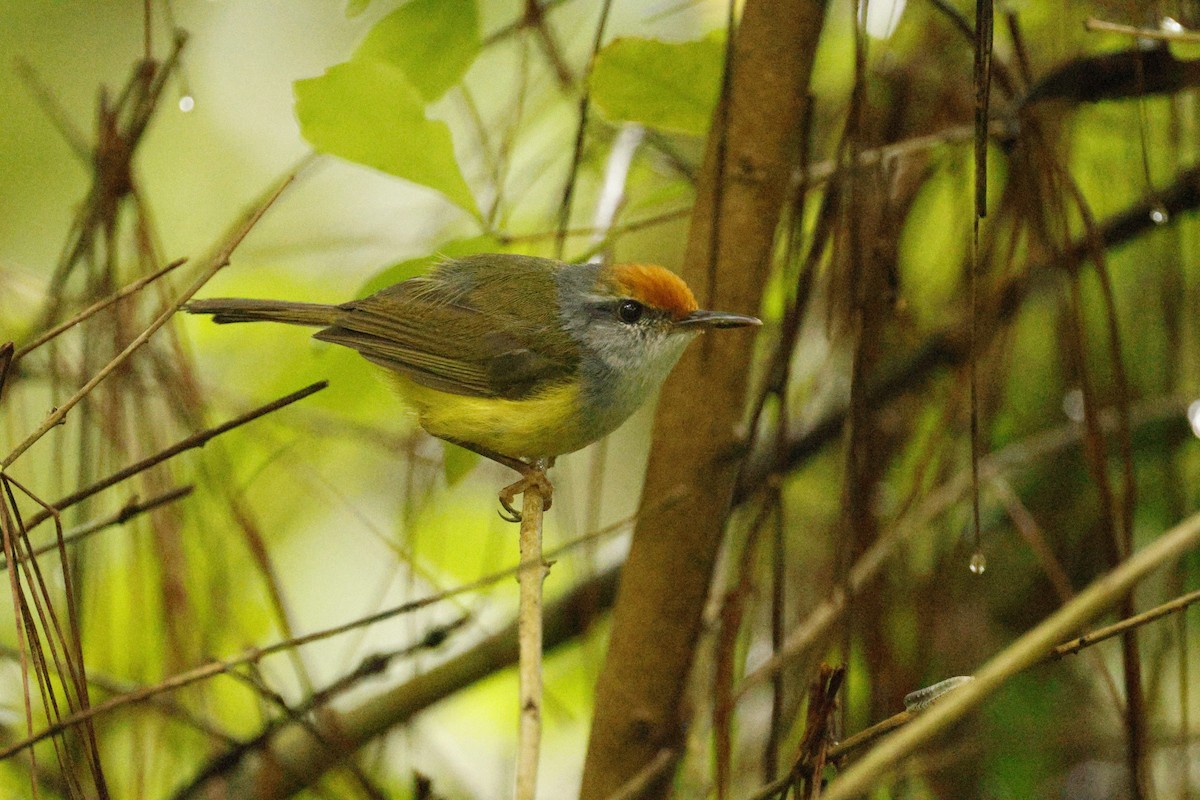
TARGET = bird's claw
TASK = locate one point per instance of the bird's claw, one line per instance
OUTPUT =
(513, 515)
(534, 479)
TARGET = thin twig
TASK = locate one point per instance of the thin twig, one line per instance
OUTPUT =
(564, 209)
(654, 770)
(256, 654)
(1101, 26)
(215, 263)
(1108, 631)
(519, 24)
(944, 348)
(53, 109)
(198, 439)
(178, 681)
(529, 638)
(870, 734)
(354, 725)
(67, 662)
(1025, 651)
(122, 515)
(870, 563)
(983, 87)
(593, 231)
(535, 17)
(99, 305)
(815, 750)
(6, 359)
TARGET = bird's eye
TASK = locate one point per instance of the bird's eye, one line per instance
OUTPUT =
(630, 311)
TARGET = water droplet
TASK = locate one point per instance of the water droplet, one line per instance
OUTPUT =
(1170, 25)
(1072, 405)
(1193, 417)
(187, 103)
(1159, 215)
(978, 562)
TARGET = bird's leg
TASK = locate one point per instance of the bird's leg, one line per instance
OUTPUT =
(532, 475)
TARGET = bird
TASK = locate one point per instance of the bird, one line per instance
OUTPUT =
(517, 358)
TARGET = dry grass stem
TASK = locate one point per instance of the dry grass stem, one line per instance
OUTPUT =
(132, 508)
(198, 439)
(213, 265)
(1101, 26)
(99, 305)
(1024, 652)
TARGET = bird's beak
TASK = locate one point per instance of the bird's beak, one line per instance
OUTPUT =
(715, 319)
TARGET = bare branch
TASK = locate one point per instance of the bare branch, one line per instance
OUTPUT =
(1028, 650)
(99, 305)
(131, 509)
(214, 264)
(198, 439)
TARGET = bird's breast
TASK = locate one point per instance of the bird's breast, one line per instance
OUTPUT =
(546, 423)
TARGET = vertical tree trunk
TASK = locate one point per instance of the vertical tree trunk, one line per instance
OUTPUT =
(666, 579)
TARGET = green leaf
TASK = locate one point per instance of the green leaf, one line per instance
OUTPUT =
(932, 244)
(457, 462)
(368, 112)
(432, 41)
(413, 267)
(664, 85)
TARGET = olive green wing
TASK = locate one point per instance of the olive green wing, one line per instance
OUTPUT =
(465, 329)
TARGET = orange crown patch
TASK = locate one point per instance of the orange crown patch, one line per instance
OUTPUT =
(654, 286)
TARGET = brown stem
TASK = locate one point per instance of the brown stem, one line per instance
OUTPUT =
(99, 305)
(656, 621)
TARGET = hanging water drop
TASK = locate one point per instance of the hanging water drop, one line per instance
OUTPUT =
(1159, 215)
(187, 103)
(978, 562)
(1072, 405)
(1193, 417)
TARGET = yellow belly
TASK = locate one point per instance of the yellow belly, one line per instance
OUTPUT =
(547, 424)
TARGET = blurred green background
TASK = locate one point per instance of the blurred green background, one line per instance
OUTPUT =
(455, 130)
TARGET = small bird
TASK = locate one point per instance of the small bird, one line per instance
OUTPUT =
(517, 358)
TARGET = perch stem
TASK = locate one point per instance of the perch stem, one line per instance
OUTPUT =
(532, 572)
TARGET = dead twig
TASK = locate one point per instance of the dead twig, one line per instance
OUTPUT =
(6, 359)
(814, 750)
(1072, 647)
(122, 515)
(214, 264)
(1021, 654)
(1101, 26)
(1107, 632)
(99, 305)
(198, 439)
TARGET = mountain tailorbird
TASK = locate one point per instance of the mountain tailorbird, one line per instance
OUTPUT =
(517, 358)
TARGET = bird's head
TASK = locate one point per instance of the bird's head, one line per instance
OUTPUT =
(637, 318)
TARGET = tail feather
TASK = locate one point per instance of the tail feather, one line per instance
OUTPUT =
(238, 310)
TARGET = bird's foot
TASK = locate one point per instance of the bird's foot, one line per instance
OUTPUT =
(533, 476)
